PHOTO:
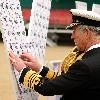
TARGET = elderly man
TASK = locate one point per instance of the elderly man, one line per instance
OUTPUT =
(82, 79)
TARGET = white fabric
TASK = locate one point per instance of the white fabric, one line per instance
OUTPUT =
(40, 69)
(94, 46)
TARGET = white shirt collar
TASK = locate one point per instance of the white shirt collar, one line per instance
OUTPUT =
(94, 46)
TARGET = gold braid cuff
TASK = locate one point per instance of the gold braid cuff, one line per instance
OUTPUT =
(31, 79)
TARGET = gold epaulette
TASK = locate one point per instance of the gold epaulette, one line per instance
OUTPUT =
(71, 58)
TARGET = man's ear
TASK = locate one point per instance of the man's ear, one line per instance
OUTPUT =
(88, 32)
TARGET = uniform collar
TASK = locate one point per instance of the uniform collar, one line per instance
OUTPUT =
(94, 46)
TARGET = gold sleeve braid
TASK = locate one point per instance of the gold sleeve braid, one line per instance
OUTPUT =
(52, 74)
(31, 79)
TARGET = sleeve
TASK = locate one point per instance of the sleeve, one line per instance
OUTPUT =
(48, 73)
(74, 79)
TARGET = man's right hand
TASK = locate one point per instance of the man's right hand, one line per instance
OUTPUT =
(30, 61)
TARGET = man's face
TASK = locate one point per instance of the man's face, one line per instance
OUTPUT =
(80, 38)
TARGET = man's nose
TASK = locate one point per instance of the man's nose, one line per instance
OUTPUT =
(72, 36)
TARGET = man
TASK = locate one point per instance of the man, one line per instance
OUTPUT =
(82, 80)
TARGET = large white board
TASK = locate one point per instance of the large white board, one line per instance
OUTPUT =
(14, 35)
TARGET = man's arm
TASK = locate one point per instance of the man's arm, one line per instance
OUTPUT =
(75, 79)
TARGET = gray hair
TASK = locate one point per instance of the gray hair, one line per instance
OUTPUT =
(92, 28)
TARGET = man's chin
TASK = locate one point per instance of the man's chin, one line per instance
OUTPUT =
(80, 49)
